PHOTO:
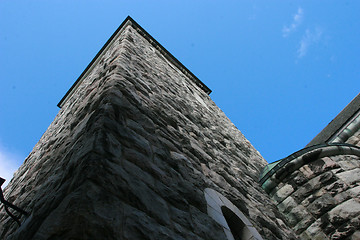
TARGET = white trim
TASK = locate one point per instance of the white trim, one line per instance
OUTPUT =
(215, 201)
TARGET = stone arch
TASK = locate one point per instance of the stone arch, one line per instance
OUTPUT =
(235, 225)
(284, 167)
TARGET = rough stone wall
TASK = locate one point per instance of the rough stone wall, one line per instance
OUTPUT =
(129, 156)
(321, 199)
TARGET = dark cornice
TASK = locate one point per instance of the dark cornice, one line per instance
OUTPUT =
(337, 123)
(153, 42)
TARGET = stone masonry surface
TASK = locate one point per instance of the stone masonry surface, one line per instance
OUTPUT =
(319, 195)
(321, 199)
(129, 155)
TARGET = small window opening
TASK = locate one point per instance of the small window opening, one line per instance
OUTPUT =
(236, 225)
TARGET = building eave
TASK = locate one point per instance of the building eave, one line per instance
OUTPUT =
(338, 124)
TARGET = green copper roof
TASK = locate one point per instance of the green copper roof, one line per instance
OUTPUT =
(268, 168)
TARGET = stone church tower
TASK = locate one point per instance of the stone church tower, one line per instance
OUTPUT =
(139, 150)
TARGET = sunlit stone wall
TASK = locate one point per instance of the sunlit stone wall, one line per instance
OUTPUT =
(319, 192)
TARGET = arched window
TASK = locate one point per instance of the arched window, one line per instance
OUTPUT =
(235, 225)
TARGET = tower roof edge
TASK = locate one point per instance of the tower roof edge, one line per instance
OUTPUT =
(151, 40)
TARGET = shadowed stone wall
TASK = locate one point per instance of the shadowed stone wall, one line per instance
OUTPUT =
(130, 154)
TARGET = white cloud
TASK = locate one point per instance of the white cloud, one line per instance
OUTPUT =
(297, 20)
(9, 162)
(308, 39)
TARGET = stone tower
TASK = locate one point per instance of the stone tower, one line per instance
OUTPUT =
(318, 188)
(138, 150)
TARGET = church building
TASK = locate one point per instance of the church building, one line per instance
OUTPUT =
(140, 151)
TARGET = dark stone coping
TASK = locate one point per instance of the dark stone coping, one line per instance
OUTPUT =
(307, 155)
(337, 123)
(153, 42)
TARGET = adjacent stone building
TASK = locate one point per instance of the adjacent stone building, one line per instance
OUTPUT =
(139, 150)
(318, 188)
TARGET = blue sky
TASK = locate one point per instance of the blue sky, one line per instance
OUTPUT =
(280, 70)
